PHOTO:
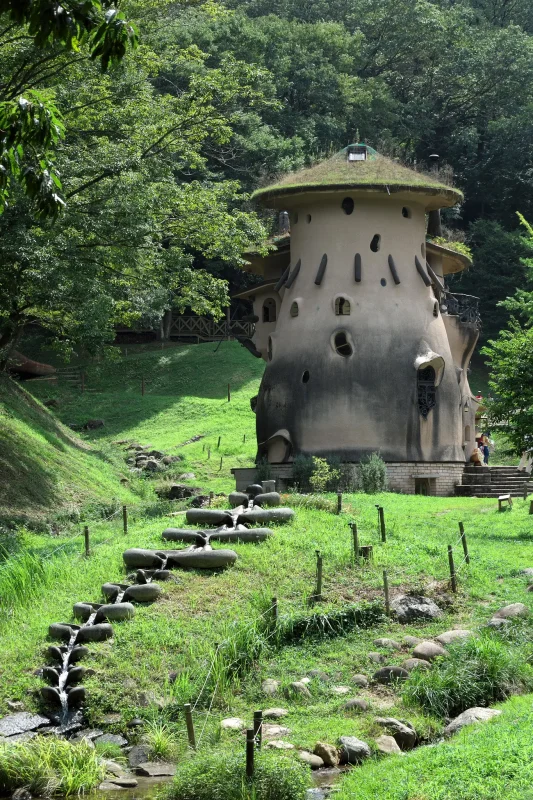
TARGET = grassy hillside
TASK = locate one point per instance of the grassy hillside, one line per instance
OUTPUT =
(47, 472)
(186, 395)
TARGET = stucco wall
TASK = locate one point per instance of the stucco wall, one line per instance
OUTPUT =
(350, 407)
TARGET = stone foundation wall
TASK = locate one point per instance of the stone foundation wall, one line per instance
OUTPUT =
(441, 477)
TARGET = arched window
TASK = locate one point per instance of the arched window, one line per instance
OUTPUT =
(406, 212)
(375, 243)
(269, 310)
(348, 205)
(342, 345)
(427, 391)
(294, 309)
(467, 434)
(342, 306)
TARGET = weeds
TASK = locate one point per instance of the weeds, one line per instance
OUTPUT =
(162, 740)
(327, 624)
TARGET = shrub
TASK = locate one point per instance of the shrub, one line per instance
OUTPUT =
(337, 622)
(161, 739)
(263, 471)
(302, 469)
(220, 775)
(322, 475)
(47, 766)
(372, 474)
(473, 673)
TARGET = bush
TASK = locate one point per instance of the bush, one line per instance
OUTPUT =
(323, 475)
(263, 471)
(373, 474)
(49, 766)
(473, 673)
(220, 775)
(302, 470)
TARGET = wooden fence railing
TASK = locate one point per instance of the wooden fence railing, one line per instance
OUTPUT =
(206, 329)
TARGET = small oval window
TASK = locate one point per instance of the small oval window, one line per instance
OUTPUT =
(294, 309)
(308, 218)
(406, 212)
(375, 243)
(342, 345)
(383, 282)
(269, 310)
(269, 351)
(342, 306)
(305, 376)
(348, 205)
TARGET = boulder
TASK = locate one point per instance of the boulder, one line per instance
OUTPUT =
(318, 675)
(185, 476)
(388, 644)
(328, 753)
(22, 722)
(387, 746)
(254, 489)
(77, 653)
(377, 658)
(273, 731)
(155, 769)
(115, 612)
(84, 610)
(469, 717)
(404, 735)
(201, 558)
(412, 607)
(390, 674)
(15, 705)
(258, 514)
(138, 754)
(279, 744)
(498, 622)
(512, 611)
(411, 641)
(452, 636)
(356, 704)
(151, 465)
(184, 535)
(360, 680)
(75, 675)
(314, 761)
(51, 695)
(270, 686)
(108, 786)
(111, 590)
(143, 559)
(111, 738)
(415, 663)
(62, 630)
(124, 781)
(76, 696)
(353, 750)
(298, 688)
(95, 633)
(428, 651)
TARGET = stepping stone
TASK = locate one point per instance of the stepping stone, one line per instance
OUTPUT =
(360, 680)
(275, 713)
(270, 686)
(340, 690)
(112, 767)
(498, 622)
(328, 753)
(388, 644)
(428, 651)
(469, 717)
(279, 744)
(22, 722)
(111, 738)
(274, 730)
(125, 782)
(390, 674)
(155, 769)
(511, 611)
(233, 724)
(415, 663)
(107, 786)
(353, 750)
(356, 704)
(315, 762)
(298, 687)
(411, 641)
(387, 745)
(452, 636)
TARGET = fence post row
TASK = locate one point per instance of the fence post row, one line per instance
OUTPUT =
(190, 725)
(464, 542)
(250, 749)
(381, 522)
(355, 539)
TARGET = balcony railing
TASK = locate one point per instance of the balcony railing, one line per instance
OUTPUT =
(464, 306)
(207, 330)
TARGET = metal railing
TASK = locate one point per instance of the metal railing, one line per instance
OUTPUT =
(464, 306)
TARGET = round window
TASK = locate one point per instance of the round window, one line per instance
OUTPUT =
(342, 345)
(305, 376)
(348, 205)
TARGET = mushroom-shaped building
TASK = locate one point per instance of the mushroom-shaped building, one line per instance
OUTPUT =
(366, 349)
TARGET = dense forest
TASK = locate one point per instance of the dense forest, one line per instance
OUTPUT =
(135, 197)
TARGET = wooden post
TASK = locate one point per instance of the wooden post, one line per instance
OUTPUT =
(367, 552)
(339, 502)
(381, 522)
(275, 611)
(211, 495)
(82, 382)
(142, 387)
(229, 393)
(250, 747)
(208, 452)
(86, 537)
(318, 588)
(525, 490)
(464, 542)
(190, 725)
(258, 728)
(125, 518)
(218, 443)
(244, 438)
(531, 506)
(220, 468)
(386, 591)
(452, 568)
(355, 535)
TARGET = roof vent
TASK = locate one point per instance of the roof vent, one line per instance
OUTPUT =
(357, 152)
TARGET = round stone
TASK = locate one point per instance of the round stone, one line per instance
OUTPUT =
(428, 651)
(315, 762)
(415, 663)
(390, 674)
(356, 704)
(388, 644)
(360, 680)
(452, 636)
